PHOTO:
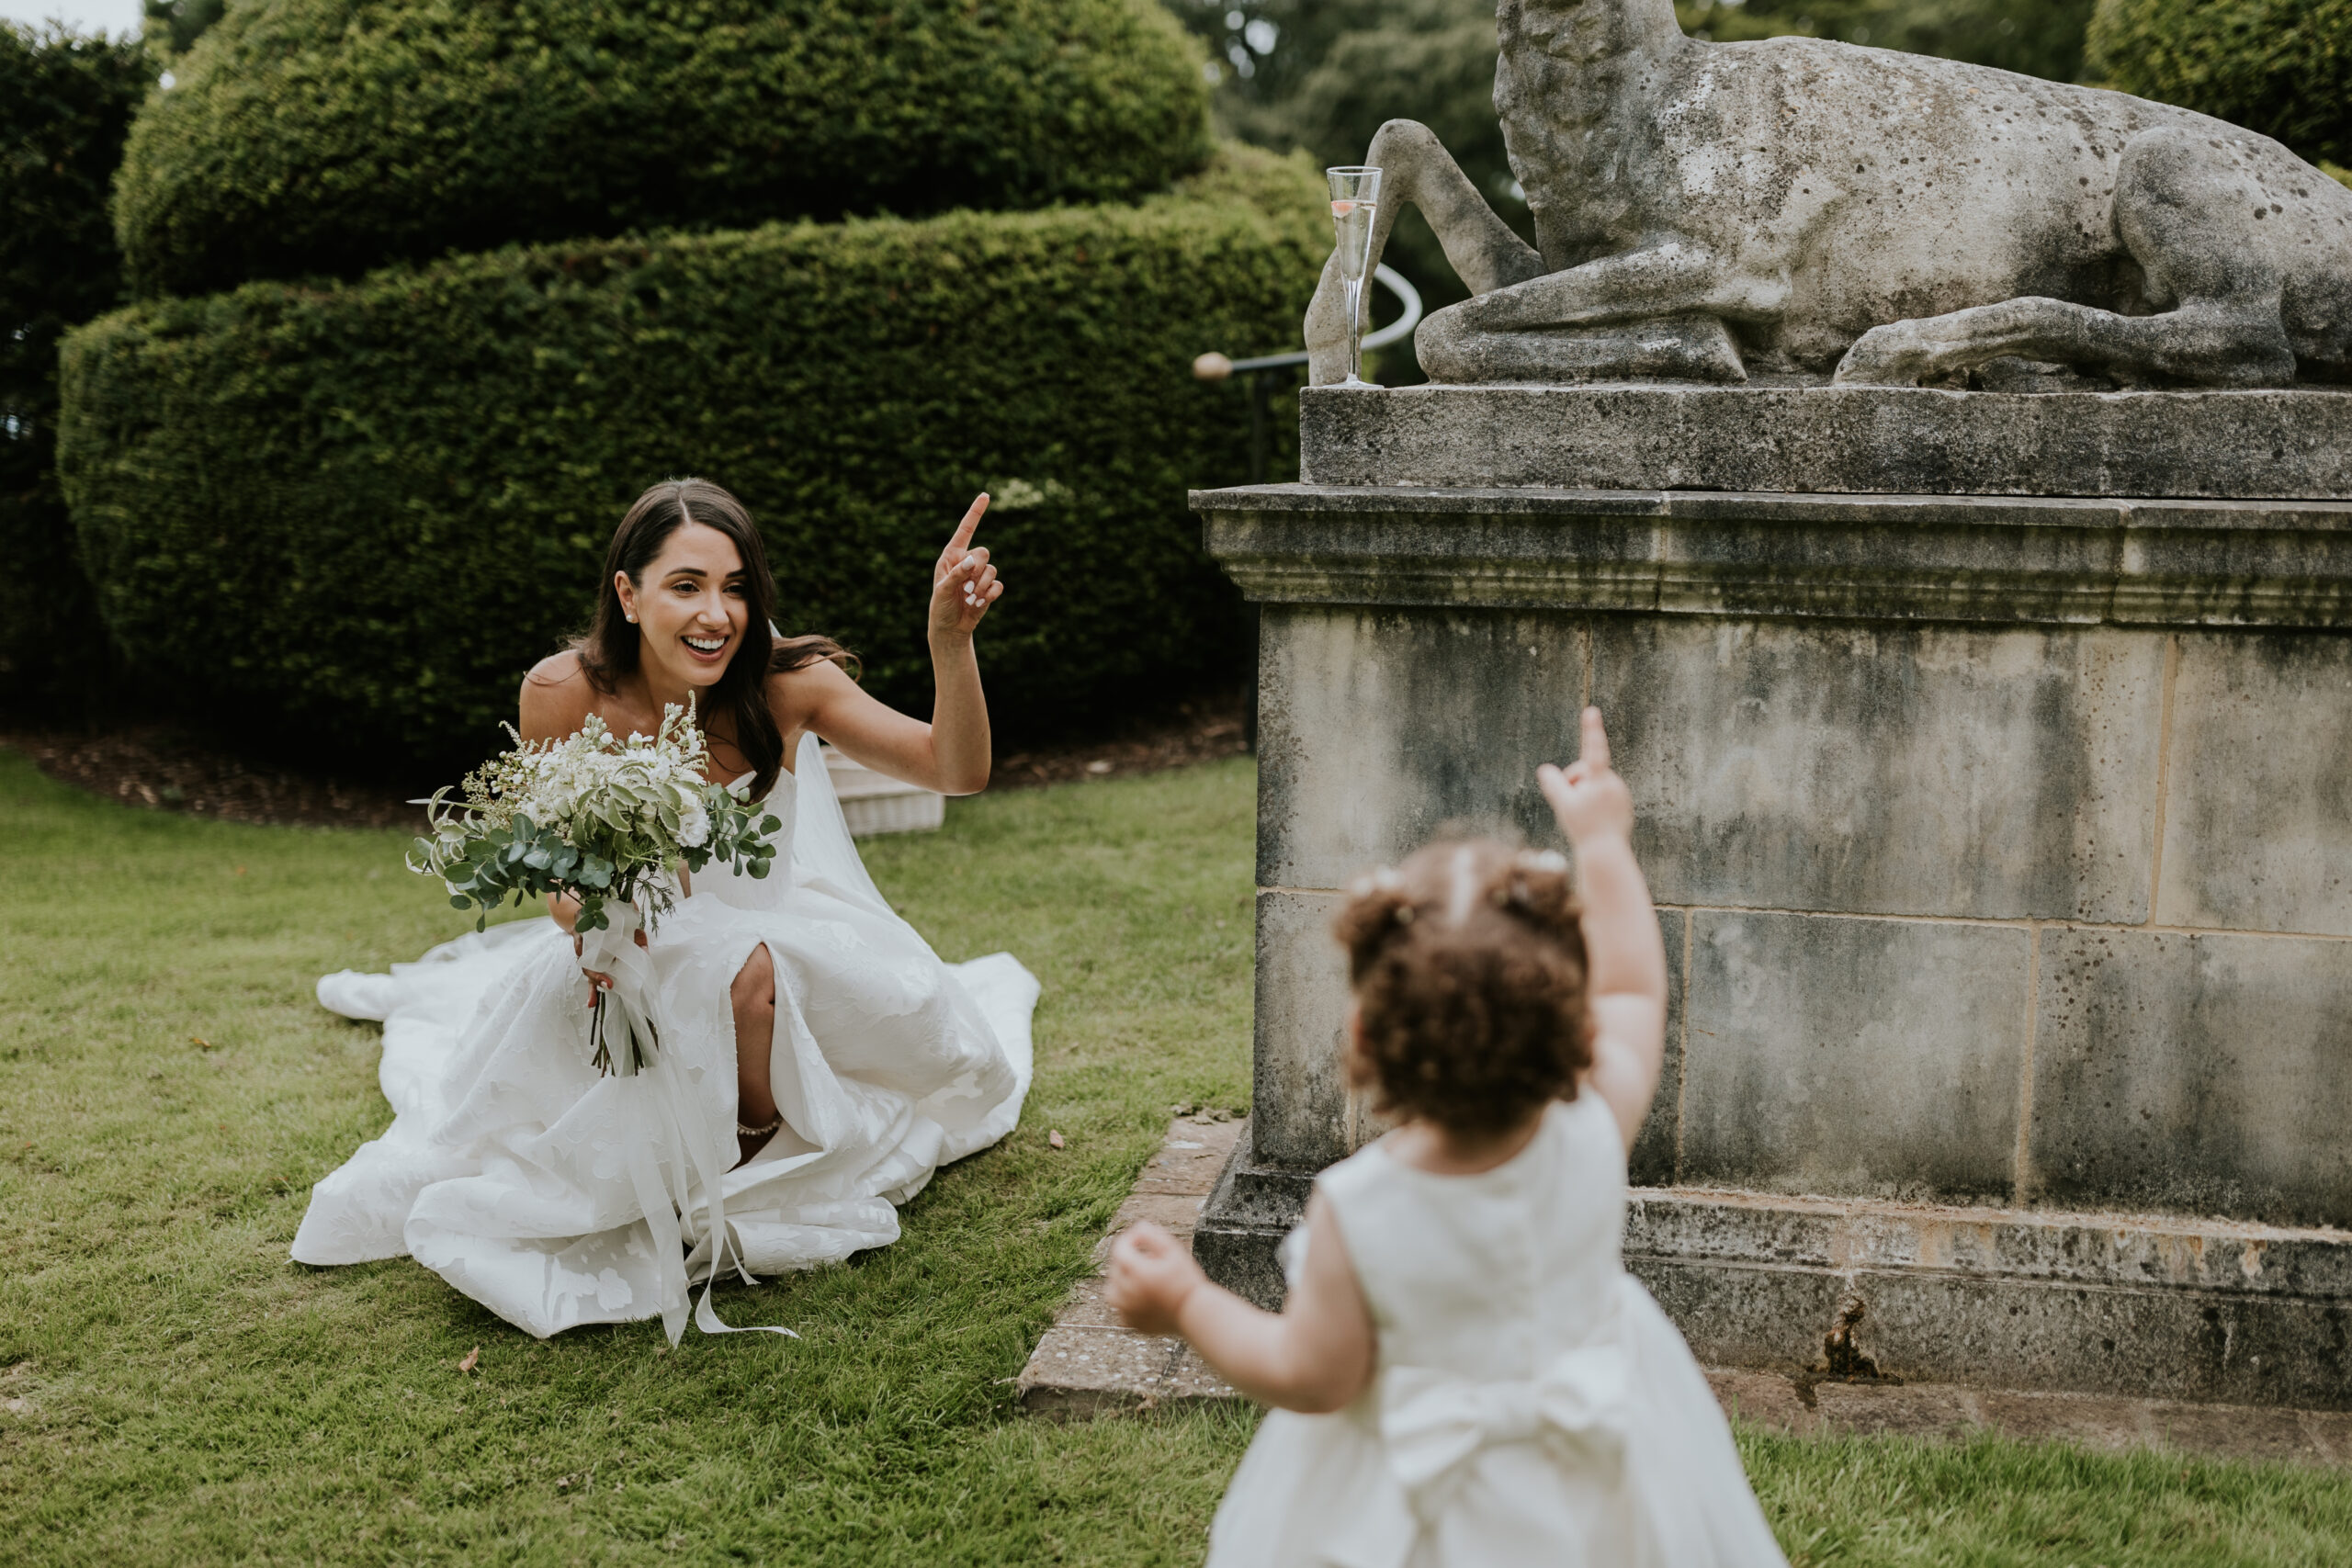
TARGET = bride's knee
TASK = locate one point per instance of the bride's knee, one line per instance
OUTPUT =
(754, 986)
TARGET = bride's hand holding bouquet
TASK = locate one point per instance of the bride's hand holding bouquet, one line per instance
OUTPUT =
(602, 823)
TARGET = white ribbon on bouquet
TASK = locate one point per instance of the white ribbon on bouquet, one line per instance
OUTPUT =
(687, 1152)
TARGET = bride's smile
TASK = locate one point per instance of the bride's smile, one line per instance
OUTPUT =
(691, 612)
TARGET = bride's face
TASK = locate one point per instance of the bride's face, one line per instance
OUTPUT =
(690, 607)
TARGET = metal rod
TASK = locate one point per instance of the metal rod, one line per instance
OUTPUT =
(1262, 418)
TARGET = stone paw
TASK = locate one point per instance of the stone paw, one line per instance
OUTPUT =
(1897, 354)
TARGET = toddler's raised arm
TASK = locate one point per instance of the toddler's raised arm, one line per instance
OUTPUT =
(1625, 962)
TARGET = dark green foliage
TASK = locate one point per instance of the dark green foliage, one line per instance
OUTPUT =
(173, 25)
(329, 136)
(371, 508)
(2281, 67)
(65, 104)
(2039, 38)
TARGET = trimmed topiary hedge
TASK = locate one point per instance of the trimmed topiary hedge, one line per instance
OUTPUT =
(329, 136)
(369, 509)
(65, 105)
(2281, 67)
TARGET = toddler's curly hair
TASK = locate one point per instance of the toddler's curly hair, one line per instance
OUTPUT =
(1468, 964)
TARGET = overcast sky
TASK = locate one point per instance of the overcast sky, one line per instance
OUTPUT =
(114, 17)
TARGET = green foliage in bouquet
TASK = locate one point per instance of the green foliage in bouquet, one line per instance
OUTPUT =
(331, 136)
(594, 819)
(2281, 67)
(65, 106)
(605, 824)
(368, 509)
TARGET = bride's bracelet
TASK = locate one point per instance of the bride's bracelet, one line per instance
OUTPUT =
(760, 1131)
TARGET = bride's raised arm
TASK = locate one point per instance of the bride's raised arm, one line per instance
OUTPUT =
(951, 753)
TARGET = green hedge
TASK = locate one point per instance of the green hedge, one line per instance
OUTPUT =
(2281, 67)
(329, 136)
(2039, 38)
(367, 510)
(65, 105)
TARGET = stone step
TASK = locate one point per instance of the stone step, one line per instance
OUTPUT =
(2146, 1306)
(1086, 1365)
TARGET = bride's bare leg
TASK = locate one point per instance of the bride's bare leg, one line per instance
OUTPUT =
(753, 996)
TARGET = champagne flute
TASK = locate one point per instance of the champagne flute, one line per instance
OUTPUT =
(1355, 201)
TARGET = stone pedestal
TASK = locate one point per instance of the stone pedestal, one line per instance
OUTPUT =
(2002, 845)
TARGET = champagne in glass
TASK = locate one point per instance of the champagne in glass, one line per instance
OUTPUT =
(1356, 202)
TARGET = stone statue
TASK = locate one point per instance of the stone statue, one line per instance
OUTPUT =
(1706, 211)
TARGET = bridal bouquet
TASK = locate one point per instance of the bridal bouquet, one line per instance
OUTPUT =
(607, 823)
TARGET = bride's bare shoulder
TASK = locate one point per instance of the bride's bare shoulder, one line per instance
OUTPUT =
(795, 695)
(557, 696)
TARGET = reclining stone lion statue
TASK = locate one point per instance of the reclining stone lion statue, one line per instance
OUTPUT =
(1705, 211)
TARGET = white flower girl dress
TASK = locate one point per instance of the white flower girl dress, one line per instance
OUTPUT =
(1530, 1405)
(555, 1197)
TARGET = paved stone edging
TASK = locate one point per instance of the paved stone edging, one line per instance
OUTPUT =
(1086, 1365)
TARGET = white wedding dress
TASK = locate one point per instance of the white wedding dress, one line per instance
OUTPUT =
(555, 1197)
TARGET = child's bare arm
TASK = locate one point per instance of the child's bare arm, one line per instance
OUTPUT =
(1315, 1357)
(1625, 961)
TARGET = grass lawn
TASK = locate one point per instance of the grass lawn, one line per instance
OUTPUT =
(174, 1390)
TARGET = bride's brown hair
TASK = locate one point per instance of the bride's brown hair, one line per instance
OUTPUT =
(608, 649)
(1468, 964)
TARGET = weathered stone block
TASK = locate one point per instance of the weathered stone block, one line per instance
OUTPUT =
(1886, 440)
(1376, 729)
(2004, 1297)
(2231, 563)
(1888, 769)
(2208, 1073)
(1296, 1073)
(1650, 1162)
(2258, 803)
(2053, 1247)
(1861, 1057)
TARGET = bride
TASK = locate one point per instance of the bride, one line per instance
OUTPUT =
(798, 1009)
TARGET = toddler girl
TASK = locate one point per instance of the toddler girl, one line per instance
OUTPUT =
(1464, 1374)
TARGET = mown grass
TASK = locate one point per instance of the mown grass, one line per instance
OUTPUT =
(174, 1390)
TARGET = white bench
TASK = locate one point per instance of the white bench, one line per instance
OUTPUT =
(876, 803)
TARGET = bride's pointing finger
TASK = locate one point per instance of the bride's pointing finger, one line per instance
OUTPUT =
(963, 536)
